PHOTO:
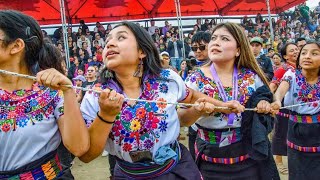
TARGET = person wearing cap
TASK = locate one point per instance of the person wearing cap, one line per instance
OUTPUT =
(79, 80)
(264, 62)
(165, 61)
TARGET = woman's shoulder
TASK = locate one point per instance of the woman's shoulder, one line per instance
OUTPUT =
(292, 72)
(250, 76)
(195, 75)
(167, 74)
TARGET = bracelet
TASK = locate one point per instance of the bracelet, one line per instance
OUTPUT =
(103, 120)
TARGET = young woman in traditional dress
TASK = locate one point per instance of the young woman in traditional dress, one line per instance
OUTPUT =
(225, 145)
(143, 135)
(35, 116)
(301, 86)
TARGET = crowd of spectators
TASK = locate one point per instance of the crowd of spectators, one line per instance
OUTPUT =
(85, 46)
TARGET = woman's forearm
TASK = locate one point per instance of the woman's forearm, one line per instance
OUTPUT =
(99, 132)
(195, 95)
(72, 127)
(189, 116)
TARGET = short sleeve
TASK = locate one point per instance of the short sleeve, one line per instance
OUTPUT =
(182, 89)
(89, 107)
(288, 77)
(191, 81)
(59, 105)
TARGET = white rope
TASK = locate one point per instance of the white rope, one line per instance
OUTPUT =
(302, 104)
(143, 100)
(97, 91)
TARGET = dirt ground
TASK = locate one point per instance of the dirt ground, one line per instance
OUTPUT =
(99, 168)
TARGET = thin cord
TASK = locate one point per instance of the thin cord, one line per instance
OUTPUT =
(302, 104)
(143, 100)
(97, 91)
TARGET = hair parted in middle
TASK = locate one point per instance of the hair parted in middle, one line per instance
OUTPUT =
(246, 58)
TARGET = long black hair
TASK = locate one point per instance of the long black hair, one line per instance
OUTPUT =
(151, 63)
(298, 59)
(39, 55)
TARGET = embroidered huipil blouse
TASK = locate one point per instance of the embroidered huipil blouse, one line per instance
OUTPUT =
(248, 82)
(28, 125)
(301, 92)
(143, 125)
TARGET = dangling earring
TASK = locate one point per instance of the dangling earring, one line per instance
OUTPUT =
(108, 74)
(139, 71)
(237, 54)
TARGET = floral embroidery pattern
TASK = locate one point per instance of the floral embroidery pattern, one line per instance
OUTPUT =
(26, 107)
(305, 92)
(209, 87)
(206, 85)
(140, 125)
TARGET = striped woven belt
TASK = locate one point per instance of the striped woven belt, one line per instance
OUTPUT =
(306, 119)
(225, 160)
(302, 148)
(148, 171)
(48, 171)
(214, 137)
(221, 160)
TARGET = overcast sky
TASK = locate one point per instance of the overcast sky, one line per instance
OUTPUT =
(312, 3)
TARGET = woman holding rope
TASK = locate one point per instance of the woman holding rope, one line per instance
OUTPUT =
(142, 135)
(34, 116)
(226, 146)
(297, 87)
(289, 54)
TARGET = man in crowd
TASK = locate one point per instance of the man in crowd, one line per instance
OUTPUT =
(91, 77)
(83, 26)
(166, 27)
(165, 61)
(301, 42)
(205, 26)
(264, 62)
(199, 46)
(174, 49)
(152, 28)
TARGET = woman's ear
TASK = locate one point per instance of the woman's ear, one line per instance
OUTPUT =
(17, 46)
(142, 54)
(238, 52)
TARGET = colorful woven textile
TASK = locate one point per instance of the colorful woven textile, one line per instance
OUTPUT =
(48, 171)
(302, 148)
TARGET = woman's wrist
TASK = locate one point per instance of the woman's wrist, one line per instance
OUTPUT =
(104, 118)
(67, 90)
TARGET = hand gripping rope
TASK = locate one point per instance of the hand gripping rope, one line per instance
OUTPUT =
(143, 100)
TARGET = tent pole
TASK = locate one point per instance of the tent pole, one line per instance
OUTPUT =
(270, 22)
(178, 10)
(64, 31)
